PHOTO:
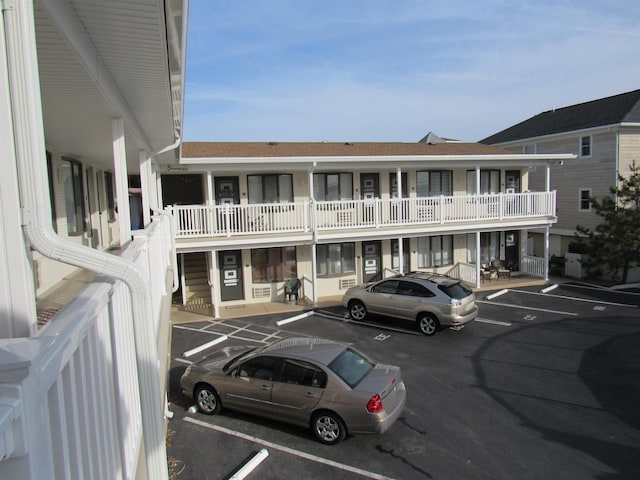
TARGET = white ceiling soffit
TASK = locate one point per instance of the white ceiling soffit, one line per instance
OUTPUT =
(101, 59)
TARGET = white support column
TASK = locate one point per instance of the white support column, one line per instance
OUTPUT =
(17, 290)
(547, 178)
(478, 265)
(210, 200)
(159, 190)
(314, 275)
(155, 199)
(146, 184)
(215, 283)
(400, 244)
(122, 182)
(183, 281)
(314, 258)
(546, 253)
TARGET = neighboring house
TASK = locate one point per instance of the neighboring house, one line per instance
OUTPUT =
(90, 97)
(603, 133)
(337, 214)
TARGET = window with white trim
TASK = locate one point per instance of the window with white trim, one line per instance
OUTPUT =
(433, 183)
(335, 258)
(273, 264)
(71, 176)
(489, 182)
(271, 188)
(435, 251)
(332, 186)
(585, 146)
(584, 200)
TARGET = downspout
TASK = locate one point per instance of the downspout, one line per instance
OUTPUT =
(30, 153)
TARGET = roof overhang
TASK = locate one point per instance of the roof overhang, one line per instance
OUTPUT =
(227, 164)
(103, 60)
(614, 127)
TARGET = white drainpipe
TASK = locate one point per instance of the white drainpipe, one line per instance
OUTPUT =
(36, 217)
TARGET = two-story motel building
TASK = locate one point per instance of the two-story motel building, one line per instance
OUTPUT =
(337, 214)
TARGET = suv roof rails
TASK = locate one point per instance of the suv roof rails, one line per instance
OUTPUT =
(438, 278)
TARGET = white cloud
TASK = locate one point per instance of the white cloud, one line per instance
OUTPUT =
(388, 70)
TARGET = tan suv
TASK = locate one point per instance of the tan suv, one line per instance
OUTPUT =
(430, 300)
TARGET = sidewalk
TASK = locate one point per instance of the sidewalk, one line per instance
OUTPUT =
(180, 314)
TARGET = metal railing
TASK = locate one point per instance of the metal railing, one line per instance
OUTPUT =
(247, 219)
(77, 381)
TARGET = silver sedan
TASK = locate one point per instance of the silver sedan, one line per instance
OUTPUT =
(328, 387)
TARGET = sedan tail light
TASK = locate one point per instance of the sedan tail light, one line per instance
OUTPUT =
(375, 404)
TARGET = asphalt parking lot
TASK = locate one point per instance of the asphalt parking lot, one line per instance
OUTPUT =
(544, 384)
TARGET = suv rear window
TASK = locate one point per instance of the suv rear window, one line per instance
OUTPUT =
(457, 290)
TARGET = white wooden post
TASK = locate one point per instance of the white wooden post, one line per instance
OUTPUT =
(17, 297)
(478, 266)
(122, 182)
(146, 183)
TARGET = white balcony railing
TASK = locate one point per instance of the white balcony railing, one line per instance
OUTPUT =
(70, 403)
(534, 266)
(247, 219)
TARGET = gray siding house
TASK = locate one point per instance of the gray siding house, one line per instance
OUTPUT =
(603, 133)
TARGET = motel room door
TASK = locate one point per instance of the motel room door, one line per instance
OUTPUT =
(230, 266)
(512, 249)
(369, 188)
(371, 261)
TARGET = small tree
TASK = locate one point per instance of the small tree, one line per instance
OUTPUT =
(614, 245)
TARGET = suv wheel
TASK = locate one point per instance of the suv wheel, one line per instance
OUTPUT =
(428, 323)
(357, 310)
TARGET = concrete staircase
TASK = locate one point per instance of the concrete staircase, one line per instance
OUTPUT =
(197, 290)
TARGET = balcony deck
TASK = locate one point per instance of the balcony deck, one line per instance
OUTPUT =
(303, 221)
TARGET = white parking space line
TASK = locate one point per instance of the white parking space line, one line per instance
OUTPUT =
(290, 451)
(497, 294)
(585, 300)
(615, 289)
(296, 318)
(204, 346)
(493, 322)
(526, 308)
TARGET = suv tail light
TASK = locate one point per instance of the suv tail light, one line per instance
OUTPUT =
(455, 302)
(375, 404)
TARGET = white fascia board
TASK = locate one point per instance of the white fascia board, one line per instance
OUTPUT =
(570, 133)
(316, 163)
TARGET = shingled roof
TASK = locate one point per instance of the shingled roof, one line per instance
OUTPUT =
(617, 109)
(331, 149)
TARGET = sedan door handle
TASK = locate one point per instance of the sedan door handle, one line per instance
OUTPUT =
(311, 395)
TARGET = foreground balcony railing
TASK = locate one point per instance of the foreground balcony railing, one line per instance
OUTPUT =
(70, 402)
(251, 219)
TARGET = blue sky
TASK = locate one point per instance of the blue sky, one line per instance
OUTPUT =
(394, 70)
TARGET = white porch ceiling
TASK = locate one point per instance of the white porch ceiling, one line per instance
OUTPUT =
(105, 59)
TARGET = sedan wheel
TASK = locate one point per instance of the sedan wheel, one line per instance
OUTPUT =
(357, 310)
(428, 324)
(328, 428)
(207, 400)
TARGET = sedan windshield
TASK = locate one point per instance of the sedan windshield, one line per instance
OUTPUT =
(351, 367)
